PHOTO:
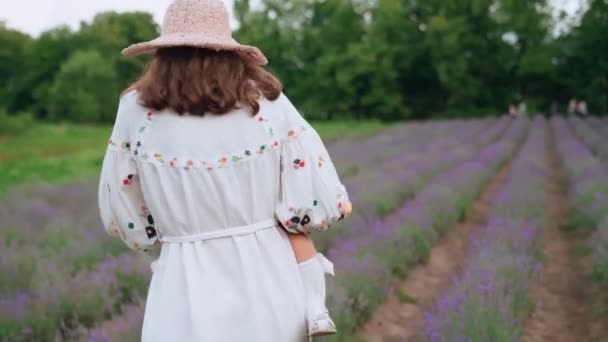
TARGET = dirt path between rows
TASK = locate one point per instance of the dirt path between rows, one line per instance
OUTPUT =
(398, 320)
(561, 295)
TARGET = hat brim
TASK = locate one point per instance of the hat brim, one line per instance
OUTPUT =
(250, 52)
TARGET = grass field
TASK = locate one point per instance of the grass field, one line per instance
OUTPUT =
(64, 153)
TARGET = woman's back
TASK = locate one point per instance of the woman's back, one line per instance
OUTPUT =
(200, 174)
(208, 168)
(209, 189)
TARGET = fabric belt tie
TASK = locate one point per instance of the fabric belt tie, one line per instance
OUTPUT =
(221, 233)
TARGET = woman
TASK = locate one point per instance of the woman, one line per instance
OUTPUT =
(212, 171)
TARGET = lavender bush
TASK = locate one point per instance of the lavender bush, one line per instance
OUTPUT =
(368, 261)
(388, 185)
(592, 204)
(592, 133)
(586, 175)
(487, 298)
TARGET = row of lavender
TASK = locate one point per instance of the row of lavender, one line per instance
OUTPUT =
(484, 132)
(587, 166)
(489, 295)
(368, 262)
(386, 186)
(52, 234)
(586, 173)
(592, 132)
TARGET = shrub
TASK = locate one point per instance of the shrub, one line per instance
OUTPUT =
(14, 124)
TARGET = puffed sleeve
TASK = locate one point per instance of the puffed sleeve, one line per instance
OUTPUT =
(312, 196)
(121, 203)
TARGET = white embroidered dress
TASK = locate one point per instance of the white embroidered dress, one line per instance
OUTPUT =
(205, 193)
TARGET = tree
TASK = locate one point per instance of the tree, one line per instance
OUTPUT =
(110, 32)
(384, 59)
(84, 90)
(464, 43)
(584, 66)
(42, 60)
(528, 56)
(12, 56)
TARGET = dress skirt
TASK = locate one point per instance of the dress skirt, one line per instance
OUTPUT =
(238, 285)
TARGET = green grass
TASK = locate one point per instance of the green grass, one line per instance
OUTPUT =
(51, 153)
(64, 153)
(336, 130)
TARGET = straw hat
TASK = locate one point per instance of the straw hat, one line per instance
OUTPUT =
(197, 23)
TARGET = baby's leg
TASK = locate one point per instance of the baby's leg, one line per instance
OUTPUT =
(312, 272)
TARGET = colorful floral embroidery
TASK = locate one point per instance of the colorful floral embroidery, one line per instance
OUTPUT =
(297, 164)
(146, 124)
(266, 124)
(262, 149)
(127, 180)
(151, 232)
(223, 161)
(125, 145)
(138, 145)
(189, 163)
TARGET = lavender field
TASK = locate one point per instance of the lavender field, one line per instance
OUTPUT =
(412, 185)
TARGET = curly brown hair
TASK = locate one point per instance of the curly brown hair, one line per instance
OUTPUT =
(198, 81)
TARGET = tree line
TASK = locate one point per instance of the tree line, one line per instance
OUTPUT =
(363, 59)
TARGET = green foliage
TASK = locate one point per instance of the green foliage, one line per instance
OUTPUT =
(84, 89)
(14, 124)
(51, 153)
(12, 56)
(584, 64)
(39, 71)
(383, 59)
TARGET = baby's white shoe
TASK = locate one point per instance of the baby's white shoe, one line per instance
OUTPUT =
(313, 276)
(321, 325)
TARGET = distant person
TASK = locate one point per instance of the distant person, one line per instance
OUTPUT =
(213, 172)
(581, 108)
(572, 106)
(513, 111)
(522, 108)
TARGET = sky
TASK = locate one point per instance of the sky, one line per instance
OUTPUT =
(35, 16)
